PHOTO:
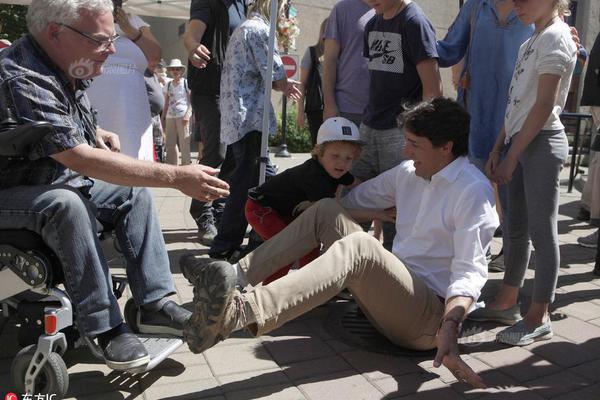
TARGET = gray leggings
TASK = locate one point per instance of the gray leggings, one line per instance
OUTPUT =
(532, 211)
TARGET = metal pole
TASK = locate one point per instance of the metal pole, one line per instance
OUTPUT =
(283, 151)
(264, 144)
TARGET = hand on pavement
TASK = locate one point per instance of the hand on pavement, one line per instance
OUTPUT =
(449, 355)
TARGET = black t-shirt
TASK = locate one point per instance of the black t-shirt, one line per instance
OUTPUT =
(306, 182)
(212, 13)
(394, 47)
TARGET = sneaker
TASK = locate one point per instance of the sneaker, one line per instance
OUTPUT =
(218, 306)
(496, 264)
(522, 335)
(169, 320)
(188, 264)
(509, 317)
(498, 232)
(583, 215)
(122, 349)
(206, 230)
(590, 241)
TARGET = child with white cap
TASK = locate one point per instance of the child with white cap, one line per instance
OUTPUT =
(274, 204)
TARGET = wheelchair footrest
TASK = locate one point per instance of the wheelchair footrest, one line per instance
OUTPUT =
(159, 348)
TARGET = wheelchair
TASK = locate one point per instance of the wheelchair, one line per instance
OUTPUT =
(30, 274)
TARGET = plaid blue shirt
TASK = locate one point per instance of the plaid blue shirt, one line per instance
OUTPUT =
(35, 89)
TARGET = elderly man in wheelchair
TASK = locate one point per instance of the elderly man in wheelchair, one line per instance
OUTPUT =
(70, 174)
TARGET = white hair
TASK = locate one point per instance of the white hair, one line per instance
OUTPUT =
(41, 12)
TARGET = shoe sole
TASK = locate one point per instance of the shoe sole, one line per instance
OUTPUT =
(214, 288)
(206, 241)
(547, 336)
(587, 246)
(504, 321)
(126, 365)
(158, 330)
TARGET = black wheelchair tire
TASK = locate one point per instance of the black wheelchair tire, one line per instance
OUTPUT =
(52, 379)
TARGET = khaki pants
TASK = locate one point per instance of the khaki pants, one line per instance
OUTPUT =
(178, 135)
(397, 303)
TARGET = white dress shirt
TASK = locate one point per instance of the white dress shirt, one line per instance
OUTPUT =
(443, 226)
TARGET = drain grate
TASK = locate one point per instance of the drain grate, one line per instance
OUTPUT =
(348, 323)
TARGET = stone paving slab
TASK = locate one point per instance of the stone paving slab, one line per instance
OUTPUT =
(304, 360)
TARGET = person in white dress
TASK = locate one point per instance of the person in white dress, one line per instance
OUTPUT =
(119, 95)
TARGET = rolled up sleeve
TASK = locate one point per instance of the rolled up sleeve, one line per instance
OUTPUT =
(556, 56)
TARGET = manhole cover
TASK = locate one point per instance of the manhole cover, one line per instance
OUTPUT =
(348, 323)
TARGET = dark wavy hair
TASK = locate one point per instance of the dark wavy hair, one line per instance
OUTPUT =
(440, 120)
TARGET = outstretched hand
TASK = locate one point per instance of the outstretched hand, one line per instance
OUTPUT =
(200, 182)
(448, 355)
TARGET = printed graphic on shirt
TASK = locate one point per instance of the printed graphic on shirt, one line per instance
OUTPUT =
(519, 70)
(385, 52)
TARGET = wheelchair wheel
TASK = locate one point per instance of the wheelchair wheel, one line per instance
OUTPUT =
(52, 379)
(131, 313)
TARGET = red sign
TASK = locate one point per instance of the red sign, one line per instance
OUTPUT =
(290, 64)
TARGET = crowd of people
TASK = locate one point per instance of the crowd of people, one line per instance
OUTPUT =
(441, 175)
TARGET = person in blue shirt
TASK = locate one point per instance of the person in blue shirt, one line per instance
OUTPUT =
(485, 70)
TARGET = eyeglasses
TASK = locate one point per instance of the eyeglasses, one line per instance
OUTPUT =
(103, 45)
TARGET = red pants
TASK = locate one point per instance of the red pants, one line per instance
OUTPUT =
(267, 223)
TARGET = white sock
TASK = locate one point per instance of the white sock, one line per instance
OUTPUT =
(240, 275)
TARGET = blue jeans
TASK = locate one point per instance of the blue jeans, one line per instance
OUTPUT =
(233, 224)
(67, 221)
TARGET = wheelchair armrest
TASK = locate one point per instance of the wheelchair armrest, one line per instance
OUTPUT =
(18, 141)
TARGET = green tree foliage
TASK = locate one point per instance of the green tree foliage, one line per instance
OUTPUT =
(297, 139)
(12, 21)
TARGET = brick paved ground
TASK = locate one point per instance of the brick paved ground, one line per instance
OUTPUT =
(305, 360)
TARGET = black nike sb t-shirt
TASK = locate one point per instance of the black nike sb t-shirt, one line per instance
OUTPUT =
(393, 48)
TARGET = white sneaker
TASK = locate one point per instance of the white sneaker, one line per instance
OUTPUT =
(590, 241)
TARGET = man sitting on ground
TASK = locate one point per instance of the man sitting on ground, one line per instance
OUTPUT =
(416, 296)
(63, 186)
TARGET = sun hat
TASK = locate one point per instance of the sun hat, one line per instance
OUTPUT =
(175, 63)
(338, 129)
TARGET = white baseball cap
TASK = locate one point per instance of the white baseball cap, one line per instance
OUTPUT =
(338, 129)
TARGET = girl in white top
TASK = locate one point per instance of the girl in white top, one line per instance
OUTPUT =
(528, 157)
(178, 109)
